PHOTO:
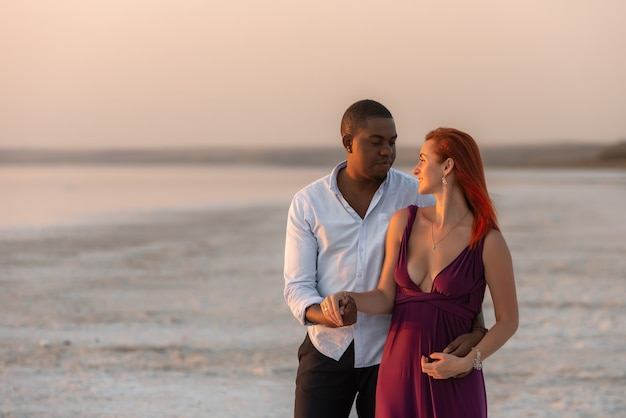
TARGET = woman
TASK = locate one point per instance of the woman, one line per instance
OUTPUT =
(438, 261)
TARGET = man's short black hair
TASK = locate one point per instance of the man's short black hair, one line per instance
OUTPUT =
(357, 115)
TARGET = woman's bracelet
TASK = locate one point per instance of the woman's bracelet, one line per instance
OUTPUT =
(478, 364)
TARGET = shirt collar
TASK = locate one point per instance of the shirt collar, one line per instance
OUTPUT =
(334, 187)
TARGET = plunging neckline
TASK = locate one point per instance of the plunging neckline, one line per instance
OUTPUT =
(436, 275)
(407, 233)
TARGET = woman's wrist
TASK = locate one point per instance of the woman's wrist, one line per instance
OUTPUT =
(472, 361)
(477, 362)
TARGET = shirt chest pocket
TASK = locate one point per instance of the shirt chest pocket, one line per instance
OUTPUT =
(382, 223)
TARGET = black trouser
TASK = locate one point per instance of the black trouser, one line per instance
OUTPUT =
(326, 388)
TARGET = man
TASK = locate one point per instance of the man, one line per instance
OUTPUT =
(335, 241)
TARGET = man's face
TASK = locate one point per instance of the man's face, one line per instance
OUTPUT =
(374, 149)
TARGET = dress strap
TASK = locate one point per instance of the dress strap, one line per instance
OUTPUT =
(409, 222)
(402, 255)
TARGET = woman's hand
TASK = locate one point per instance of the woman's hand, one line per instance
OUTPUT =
(340, 309)
(462, 345)
(444, 366)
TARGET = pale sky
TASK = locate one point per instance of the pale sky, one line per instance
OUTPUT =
(141, 73)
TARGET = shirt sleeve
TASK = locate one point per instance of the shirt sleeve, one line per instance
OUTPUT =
(300, 269)
(425, 200)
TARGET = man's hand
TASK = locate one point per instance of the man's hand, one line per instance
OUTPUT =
(462, 345)
(339, 309)
(349, 311)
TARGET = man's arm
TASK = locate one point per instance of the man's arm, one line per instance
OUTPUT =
(300, 269)
(348, 311)
(462, 345)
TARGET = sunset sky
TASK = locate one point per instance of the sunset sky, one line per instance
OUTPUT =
(153, 73)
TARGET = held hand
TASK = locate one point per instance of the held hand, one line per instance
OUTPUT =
(335, 306)
(462, 345)
(445, 366)
(349, 312)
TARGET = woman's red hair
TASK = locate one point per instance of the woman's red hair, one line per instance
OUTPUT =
(470, 176)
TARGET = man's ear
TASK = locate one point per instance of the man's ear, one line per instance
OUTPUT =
(347, 142)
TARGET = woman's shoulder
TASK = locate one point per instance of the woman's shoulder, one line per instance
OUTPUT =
(405, 212)
(494, 243)
(401, 215)
(494, 236)
(400, 218)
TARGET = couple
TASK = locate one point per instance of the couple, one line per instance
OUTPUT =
(367, 241)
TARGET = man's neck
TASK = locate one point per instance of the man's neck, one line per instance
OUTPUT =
(357, 183)
(358, 191)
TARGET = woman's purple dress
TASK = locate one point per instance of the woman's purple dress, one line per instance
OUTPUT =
(423, 323)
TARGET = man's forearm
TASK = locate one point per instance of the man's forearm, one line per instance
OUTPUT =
(315, 315)
(479, 323)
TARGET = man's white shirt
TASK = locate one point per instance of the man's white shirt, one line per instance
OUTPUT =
(330, 248)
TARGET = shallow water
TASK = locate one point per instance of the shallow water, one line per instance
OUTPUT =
(40, 196)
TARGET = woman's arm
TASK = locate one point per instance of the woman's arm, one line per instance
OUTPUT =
(500, 279)
(380, 300)
(501, 282)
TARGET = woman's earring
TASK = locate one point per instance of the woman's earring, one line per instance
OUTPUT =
(349, 148)
(445, 184)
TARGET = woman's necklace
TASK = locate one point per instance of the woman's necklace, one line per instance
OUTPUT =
(432, 230)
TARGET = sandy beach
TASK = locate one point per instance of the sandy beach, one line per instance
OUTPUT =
(181, 314)
(176, 316)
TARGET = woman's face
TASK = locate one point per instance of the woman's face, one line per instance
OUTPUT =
(428, 170)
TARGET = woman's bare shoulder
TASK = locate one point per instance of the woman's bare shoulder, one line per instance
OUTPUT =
(494, 236)
(495, 244)
(399, 218)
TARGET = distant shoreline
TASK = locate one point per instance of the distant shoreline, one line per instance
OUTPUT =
(550, 155)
